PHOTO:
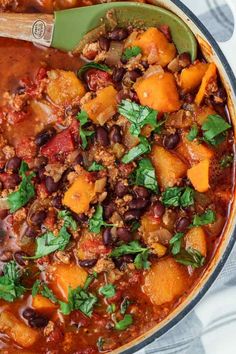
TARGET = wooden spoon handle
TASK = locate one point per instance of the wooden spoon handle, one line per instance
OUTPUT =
(37, 28)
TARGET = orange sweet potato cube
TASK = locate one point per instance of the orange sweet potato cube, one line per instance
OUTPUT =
(165, 281)
(199, 176)
(191, 77)
(155, 47)
(196, 239)
(42, 304)
(209, 77)
(193, 151)
(159, 92)
(169, 168)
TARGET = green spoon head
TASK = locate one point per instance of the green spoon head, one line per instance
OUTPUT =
(71, 25)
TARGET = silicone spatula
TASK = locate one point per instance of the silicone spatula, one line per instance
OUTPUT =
(65, 29)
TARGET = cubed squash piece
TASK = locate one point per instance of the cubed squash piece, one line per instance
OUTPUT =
(17, 330)
(202, 113)
(169, 168)
(42, 304)
(191, 77)
(64, 276)
(199, 176)
(209, 78)
(80, 193)
(159, 92)
(101, 108)
(165, 281)
(64, 87)
(193, 151)
(196, 239)
(155, 47)
(149, 225)
(158, 249)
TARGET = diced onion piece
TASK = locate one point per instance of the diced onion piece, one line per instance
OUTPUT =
(4, 204)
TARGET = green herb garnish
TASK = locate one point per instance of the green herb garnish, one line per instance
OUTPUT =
(10, 287)
(69, 221)
(96, 222)
(40, 287)
(208, 217)
(175, 243)
(95, 167)
(25, 191)
(178, 196)
(214, 129)
(138, 116)
(100, 344)
(84, 134)
(145, 175)
(131, 52)
(193, 133)
(124, 323)
(142, 148)
(190, 257)
(111, 308)
(92, 65)
(107, 291)
(124, 305)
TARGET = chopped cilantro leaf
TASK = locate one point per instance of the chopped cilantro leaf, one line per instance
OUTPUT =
(190, 257)
(84, 134)
(124, 323)
(107, 290)
(124, 305)
(96, 222)
(95, 167)
(142, 148)
(175, 243)
(40, 287)
(178, 196)
(91, 65)
(214, 129)
(193, 133)
(145, 175)
(208, 217)
(69, 221)
(131, 52)
(10, 287)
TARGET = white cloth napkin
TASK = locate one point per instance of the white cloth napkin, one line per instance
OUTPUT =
(211, 327)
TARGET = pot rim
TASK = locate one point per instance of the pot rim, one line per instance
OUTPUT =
(232, 239)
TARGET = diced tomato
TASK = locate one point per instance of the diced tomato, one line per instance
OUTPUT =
(26, 149)
(60, 145)
(56, 335)
(41, 74)
(97, 79)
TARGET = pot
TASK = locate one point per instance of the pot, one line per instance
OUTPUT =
(217, 53)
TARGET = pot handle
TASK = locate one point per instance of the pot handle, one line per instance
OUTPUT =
(228, 47)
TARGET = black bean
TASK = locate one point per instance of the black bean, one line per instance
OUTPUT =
(79, 160)
(107, 237)
(145, 64)
(102, 136)
(57, 202)
(11, 181)
(115, 134)
(104, 43)
(30, 232)
(40, 174)
(141, 192)
(80, 218)
(131, 215)
(109, 210)
(41, 161)
(171, 141)
(19, 258)
(184, 59)
(51, 186)
(134, 74)
(182, 224)
(138, 203)
(127, 258)
(117, 74)
(44, 136)
(121, 189)
(158, 209)
(124, 234)
(13, 164)
(88, 263)
(38, 217)
(189, 97)
(118, 34)
(38, 321)
(28, 313)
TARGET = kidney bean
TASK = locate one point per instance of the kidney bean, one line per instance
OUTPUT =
(102, 136)
(124, 234)
(171, 141)
(182, 224)
(104, 43)
(57, 202)
(19, 258)
(38, 217)
(51, 186)
(117, 74)
(118, 34)
(134, 74)
(44, 136)
(88, 263)
(38, 321)
(158, 209)
(141, 192)
(131, 215)
(13, 164)
(107, 237)
(138, 203)
(109, 210)
(121, 189)
(184, 59)
(96, 79)
(28, 313)
(11, 181)
(115, 134)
